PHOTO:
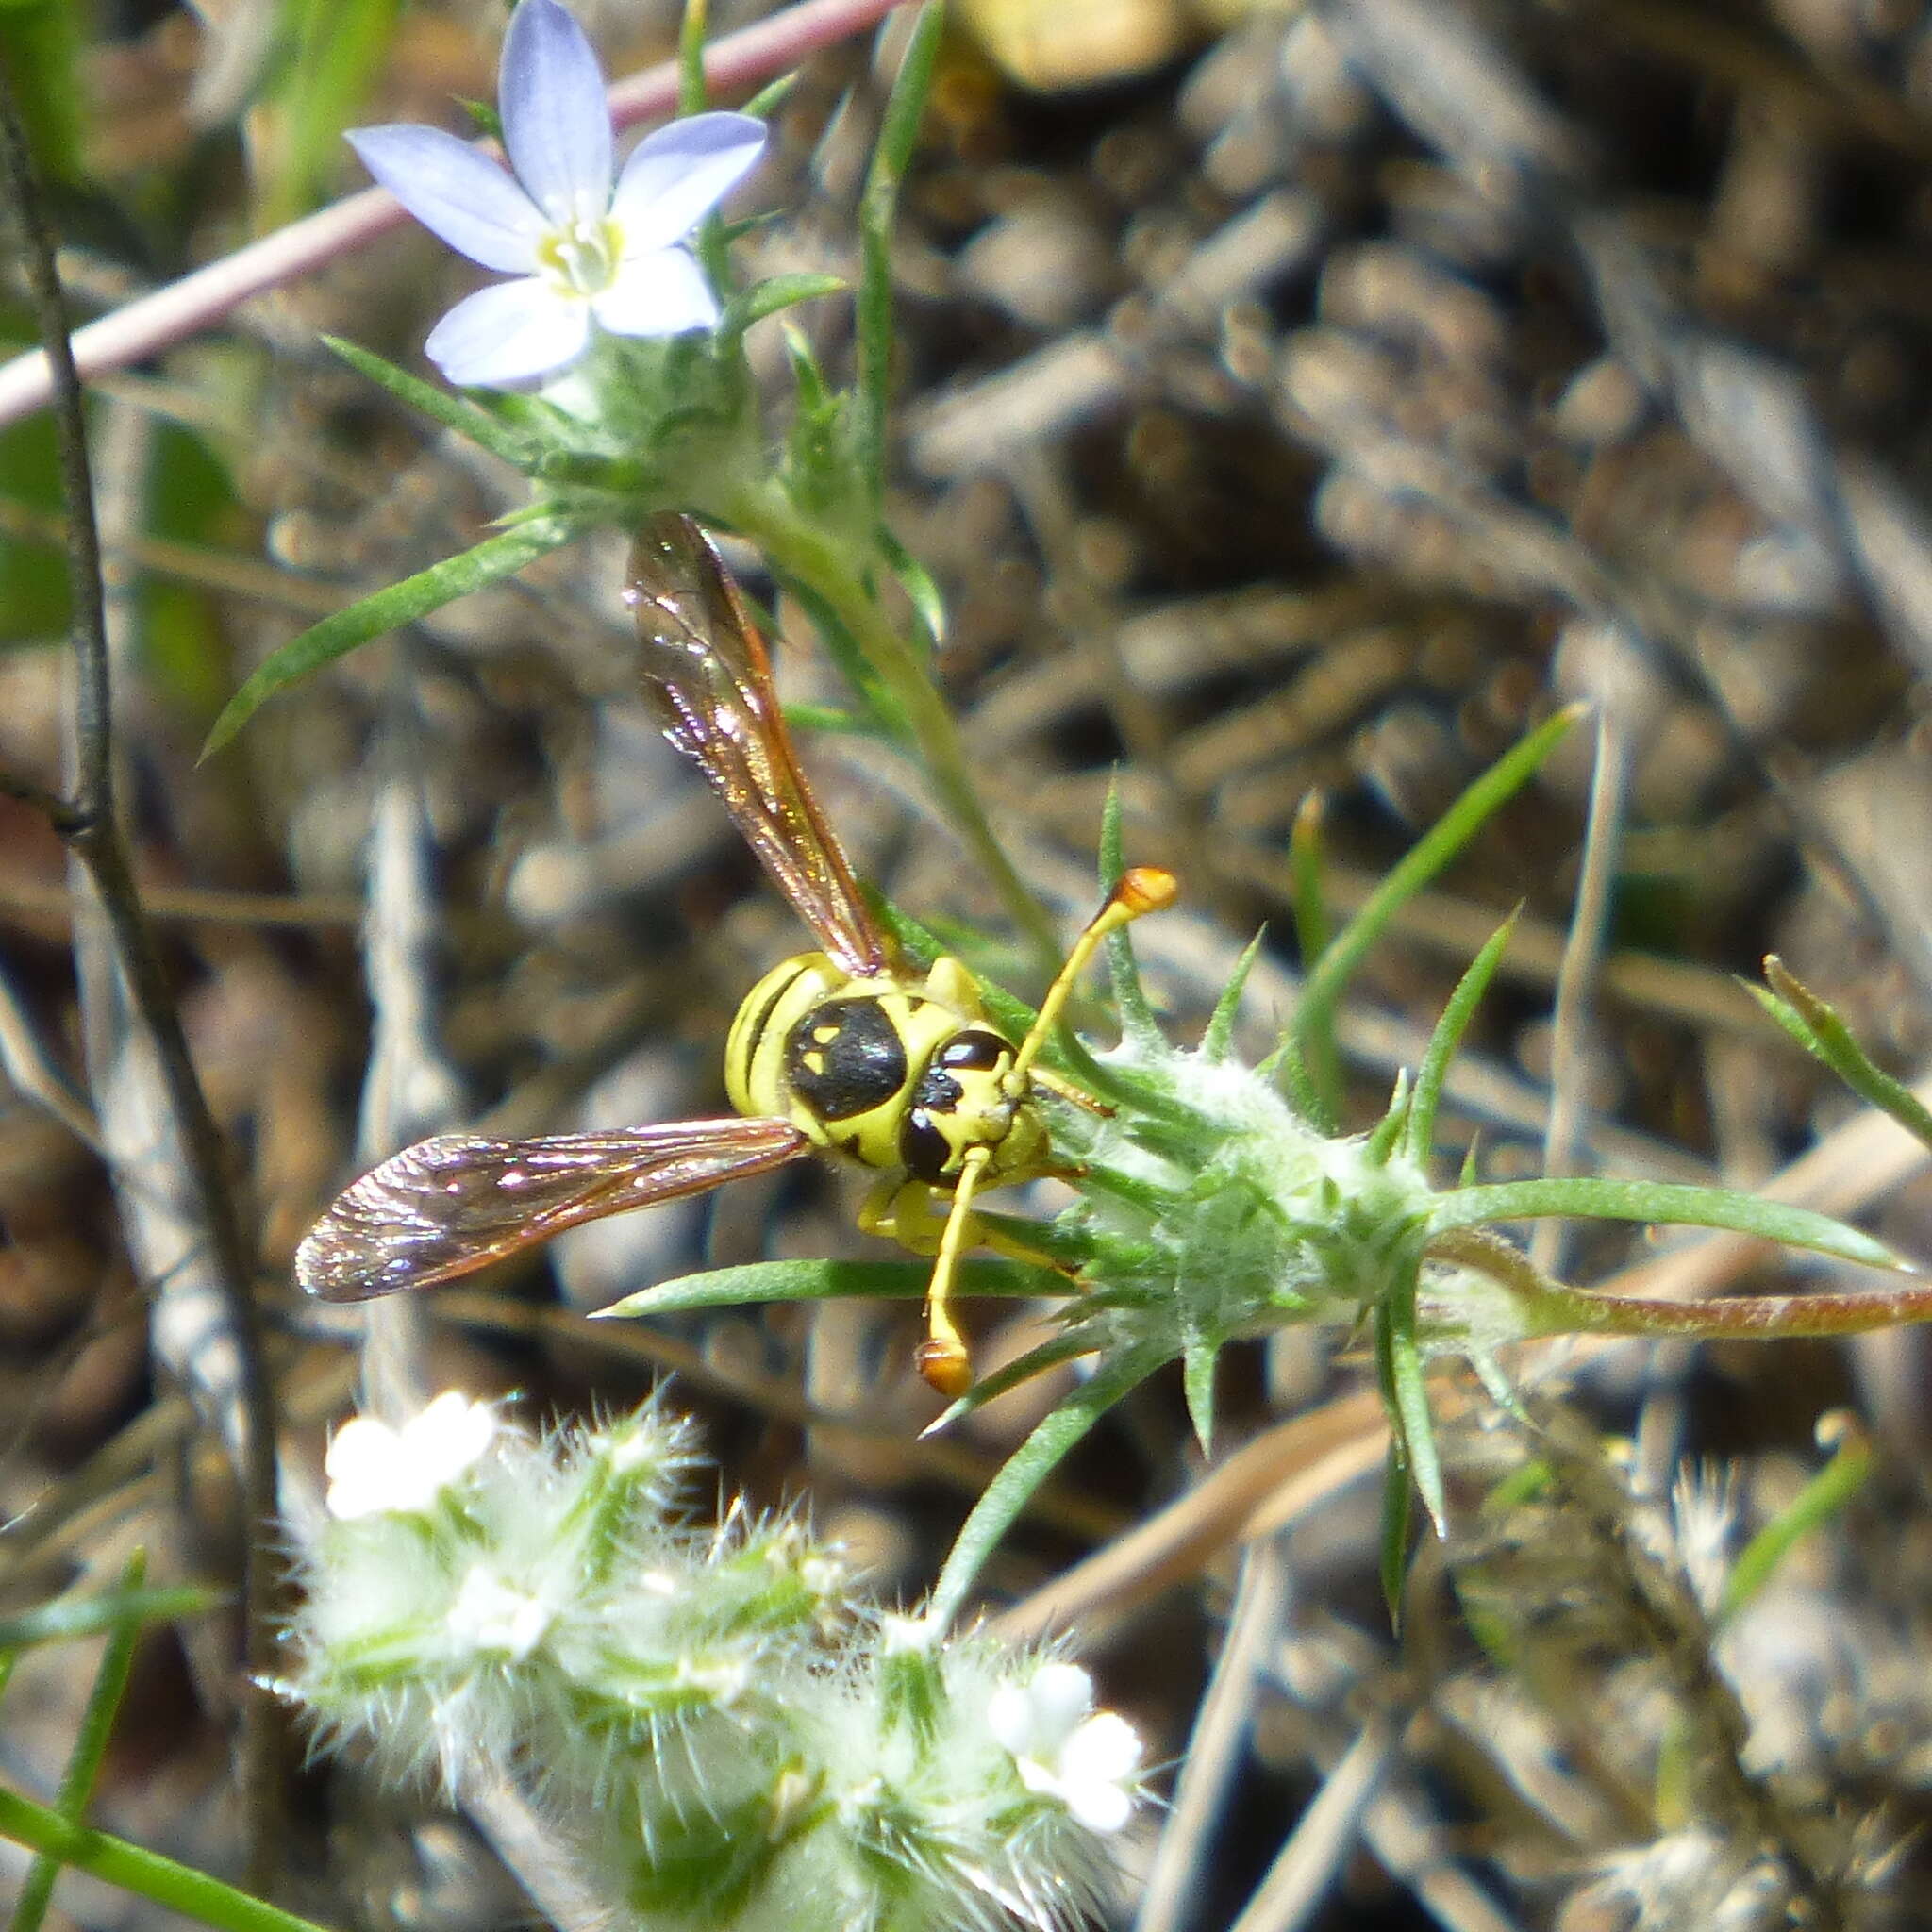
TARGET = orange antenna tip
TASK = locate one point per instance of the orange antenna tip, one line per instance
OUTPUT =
(946, 1368)
(1146, 888)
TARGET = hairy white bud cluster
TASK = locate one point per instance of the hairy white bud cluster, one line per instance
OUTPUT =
(720, 1730)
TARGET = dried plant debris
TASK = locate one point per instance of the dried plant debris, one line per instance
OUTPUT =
(1289, 400)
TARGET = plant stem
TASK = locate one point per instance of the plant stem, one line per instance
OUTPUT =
(147, 1874)
(798, 550)
(1563, 1311)
(90, 822)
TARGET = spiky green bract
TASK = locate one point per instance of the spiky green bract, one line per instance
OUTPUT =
(718, 1730)
(1211, 1210)
(1214, 1210)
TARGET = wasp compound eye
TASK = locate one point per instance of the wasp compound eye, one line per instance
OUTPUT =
(923, 1147)
(978, 1049)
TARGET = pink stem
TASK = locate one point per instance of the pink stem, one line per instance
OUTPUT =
(1743, 1317)
(170, 314)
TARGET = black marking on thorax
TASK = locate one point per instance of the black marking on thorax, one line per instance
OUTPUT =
(846, 1057)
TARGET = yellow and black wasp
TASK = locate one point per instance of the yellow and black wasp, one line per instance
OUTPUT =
(845, 1048)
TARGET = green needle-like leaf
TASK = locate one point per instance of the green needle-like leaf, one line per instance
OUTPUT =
(1399, 1360)
(1309, 901)
(767, 102)
(1197, 1384)
(922, 589)
(1307, 881)
(1496, 1384)
(1447, 1039)
(1327, 979)
(1289, 1073)
(495, 557)
(1030, 1465)
(1036, 1361)
(1815, 1505)
(877, 209)
(1818, 1029)
(1219, 1036)
(828, 719)
(70, 1617)
(90, 1747)
(453, 411)
(822, 1281)
(1130, 996)
(1388, 1132)
(179, 1887)
(1665, 1203)
(770, 297)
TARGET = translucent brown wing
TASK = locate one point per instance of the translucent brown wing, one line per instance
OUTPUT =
(444, 1206)
(708, 667)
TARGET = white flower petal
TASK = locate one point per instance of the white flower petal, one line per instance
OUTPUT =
(1100, 1807)
(360, 1465)
(679, 174)
(448, 1436)
(1106, 1749)
(556, 121)
(492, 1616)
(660, 294)
(460, 196)
(508, 334)
(1010, 1718)
(1061, 1695)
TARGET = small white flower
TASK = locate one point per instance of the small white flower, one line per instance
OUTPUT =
(495, 1617)
(373, 1469)
(908, 1636)
(582, 249)
(1065, 1749)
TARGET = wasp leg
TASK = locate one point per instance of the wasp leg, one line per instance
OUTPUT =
(906, 1212)
(942, 1358)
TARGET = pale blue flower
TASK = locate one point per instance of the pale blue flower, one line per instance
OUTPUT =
(582, 249)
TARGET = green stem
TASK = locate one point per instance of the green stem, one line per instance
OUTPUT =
(89, 1748)
(798, 550)
(181, 1888)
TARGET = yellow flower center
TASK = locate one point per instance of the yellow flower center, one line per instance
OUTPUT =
(581, 257)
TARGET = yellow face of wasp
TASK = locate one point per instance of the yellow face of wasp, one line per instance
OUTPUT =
(897, 1076)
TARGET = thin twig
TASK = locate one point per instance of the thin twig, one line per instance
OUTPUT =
(90, 824)
(1581, 971)
(1213, 1756)
(1327, 1832)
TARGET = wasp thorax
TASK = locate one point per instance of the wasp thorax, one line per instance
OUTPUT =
(846, 1057)
(897, 1074)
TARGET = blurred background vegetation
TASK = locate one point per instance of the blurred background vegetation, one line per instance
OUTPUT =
(1292, 400)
